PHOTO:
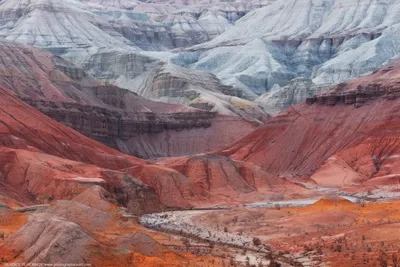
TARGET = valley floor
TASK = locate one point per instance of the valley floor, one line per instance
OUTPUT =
(327, 232)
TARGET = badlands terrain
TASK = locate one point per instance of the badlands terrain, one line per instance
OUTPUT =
(199, 133)
(255, 49)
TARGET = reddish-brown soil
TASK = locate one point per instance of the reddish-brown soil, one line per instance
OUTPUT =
(334, 231)
(334, 143)
(232, 181)
(95, 193)
(70, 232)
(93, 196)
(109, 114)
(46, 160)
(306, 135)
(23, 127)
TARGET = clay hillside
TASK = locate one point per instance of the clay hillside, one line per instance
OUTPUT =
(116, 117)
(80, 192)
(343, 142)
(202, 133)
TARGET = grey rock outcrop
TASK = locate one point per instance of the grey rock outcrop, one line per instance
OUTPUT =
(311, 39)
(166, 82)
(250, 46)
(281, 98)
(115, 116)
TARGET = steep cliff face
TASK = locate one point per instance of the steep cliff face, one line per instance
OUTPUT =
(146, 134)
(281, 98)
(203, 90)
(60, 25)
(169, 83)
(159, 25)
(224, 130)
(109, 126)
(317, 40)
(114, 116)
(374, 162)
(251, 46)
(306, 135)
(42, 161)
(57, 25)
(256, 63)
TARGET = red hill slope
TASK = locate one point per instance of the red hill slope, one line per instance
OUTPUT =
(299, 140)
(114, 116)
(222, 179)
(42, 161)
